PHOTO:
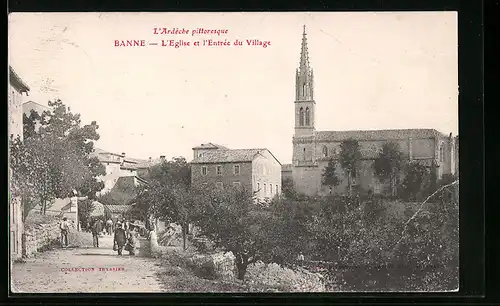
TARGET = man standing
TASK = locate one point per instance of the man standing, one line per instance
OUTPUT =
(119, 239)
(64, 232)
(96, 231)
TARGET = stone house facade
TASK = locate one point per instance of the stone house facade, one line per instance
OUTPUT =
(117, 166)
(254, 169)
(313, 149)
(17, 88)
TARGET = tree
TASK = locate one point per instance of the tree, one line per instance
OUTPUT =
(85, 209)
(288, 189)
(415, 179)
(167, 195)
(54, 158)
(329, 176)
(233, 221)
(388, 164)
(350, 155)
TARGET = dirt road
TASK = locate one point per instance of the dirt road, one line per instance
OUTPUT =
(87, 270)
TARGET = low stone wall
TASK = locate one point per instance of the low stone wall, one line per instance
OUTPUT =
(40, 237)
(291, 280)
(222, 266)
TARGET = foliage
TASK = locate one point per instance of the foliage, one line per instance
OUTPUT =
(350, 155)
(85, 208)
(415, 181)
(54, 158)
(389, 162)
(167, 193)
(288, 189)
(232, 220)
(329, 176)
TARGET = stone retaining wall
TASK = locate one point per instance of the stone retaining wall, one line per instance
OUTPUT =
(222, 266)
(40, 237)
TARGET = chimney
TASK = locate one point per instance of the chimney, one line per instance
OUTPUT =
(410, 148)
(162, 157)
(123, 154)
(150, 158)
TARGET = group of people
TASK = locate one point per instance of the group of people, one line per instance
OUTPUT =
(125, 234)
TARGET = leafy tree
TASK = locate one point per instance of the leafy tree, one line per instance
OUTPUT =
(167, 195)
(233, 221)
(415, 179)
(350, 155)
(388, 164)
(288, 189)
(54, 158)
(85, 209)
(329, 176)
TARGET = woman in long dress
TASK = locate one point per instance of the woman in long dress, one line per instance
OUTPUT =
(132, 240)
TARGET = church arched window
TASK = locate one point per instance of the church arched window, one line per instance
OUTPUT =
(301, 119)
(325, 151)
(304, 153)
(304, 90)
(308, 121)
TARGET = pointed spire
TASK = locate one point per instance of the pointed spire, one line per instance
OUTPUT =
(304, 54)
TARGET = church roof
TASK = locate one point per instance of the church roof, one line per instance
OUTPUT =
(228, 156)
(398, 134)
(210, 146)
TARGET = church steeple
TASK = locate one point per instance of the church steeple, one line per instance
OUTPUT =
(304, 54)
(304, 92)
(304, 82)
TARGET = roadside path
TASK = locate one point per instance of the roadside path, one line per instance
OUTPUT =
(87, 270)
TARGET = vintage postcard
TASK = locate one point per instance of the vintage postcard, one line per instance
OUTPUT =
(233, 152)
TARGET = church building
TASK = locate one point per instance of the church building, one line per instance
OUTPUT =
(313, 149)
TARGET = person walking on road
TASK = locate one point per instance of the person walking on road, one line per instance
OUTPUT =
(96, 231)
(109, 227)
(64, 232)
(120, 238)
(131, 240)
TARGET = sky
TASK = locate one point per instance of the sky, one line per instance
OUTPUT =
(381, 70)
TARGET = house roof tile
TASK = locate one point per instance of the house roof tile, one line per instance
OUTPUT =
(228, 156)
(211, 146)
(117, 208)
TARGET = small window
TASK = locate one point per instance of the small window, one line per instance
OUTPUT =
(203, 170)
(237, 169)
(219, 185)
(270, 189)
(277, 189)
(236, 184)
(325, 151)
(219, 170)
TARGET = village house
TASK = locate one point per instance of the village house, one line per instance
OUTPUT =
(34, 106)
(254, 169)
(313, 149)
(17, 88)
(117, 166)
